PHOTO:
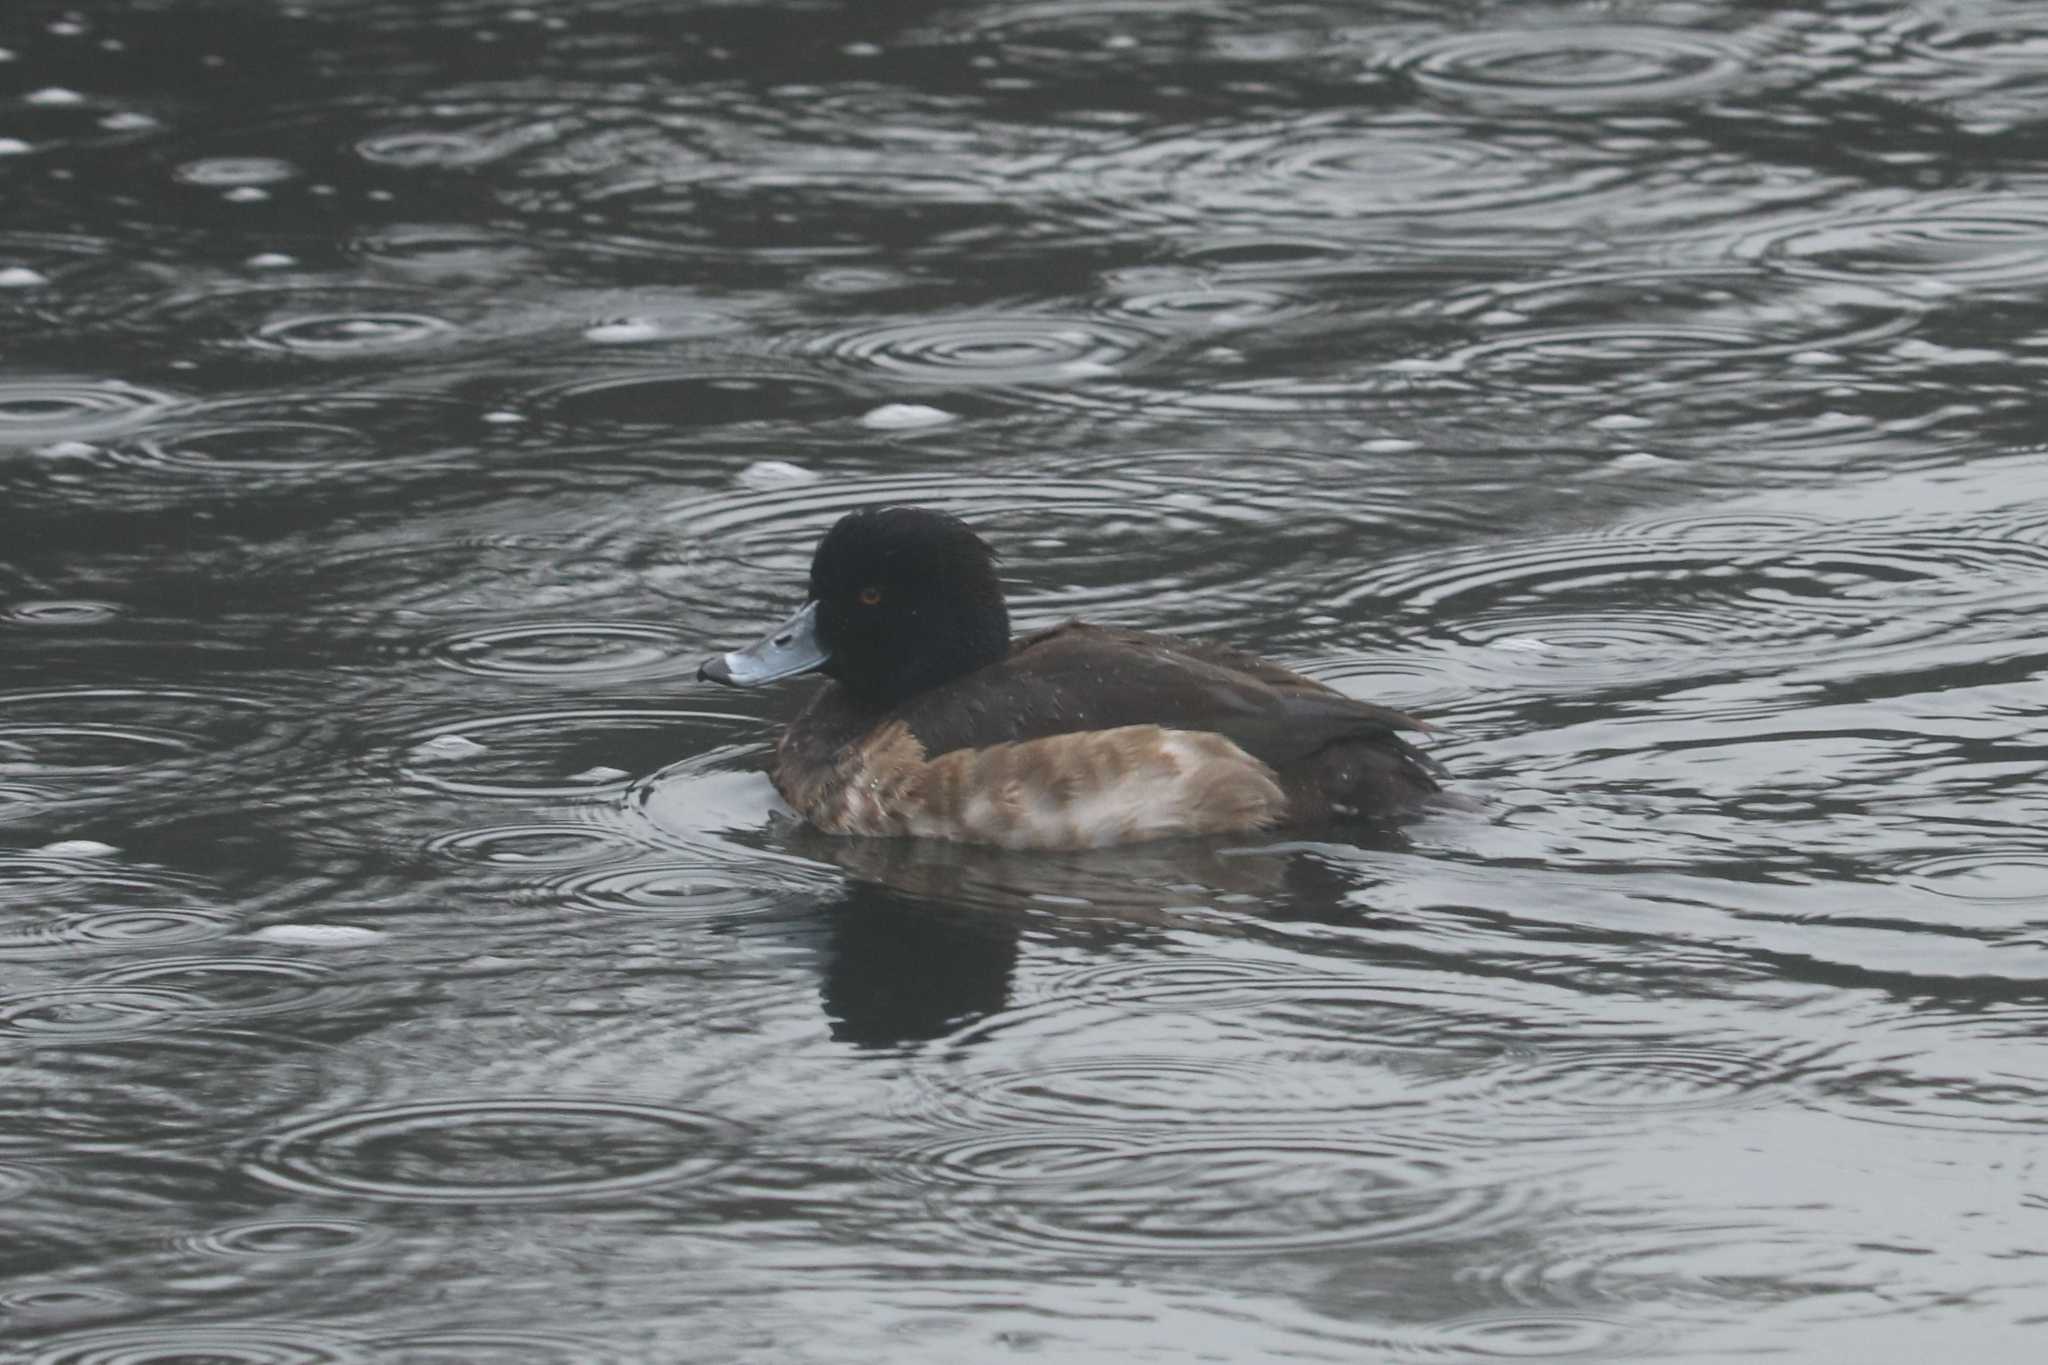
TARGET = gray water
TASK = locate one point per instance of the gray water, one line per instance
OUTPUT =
(402, 958)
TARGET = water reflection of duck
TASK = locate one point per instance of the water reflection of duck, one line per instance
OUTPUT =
(937, 724)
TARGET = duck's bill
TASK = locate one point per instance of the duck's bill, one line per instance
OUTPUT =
(789, 649)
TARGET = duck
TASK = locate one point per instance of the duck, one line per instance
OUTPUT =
(935, 723)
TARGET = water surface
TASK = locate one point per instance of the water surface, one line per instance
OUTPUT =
(402, 958)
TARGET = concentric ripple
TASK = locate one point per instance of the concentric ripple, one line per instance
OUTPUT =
(1249, 1195)
(236, 987)
(703, 887)
(222, 1343)
(499, 1151)
(280, 444)
(425, 148)
(1535, 1336)
(331, 322)
(455, 252)
(1924, 244)
(1653, 1078)
(712, 396)
(1199, 305)
(86, 738)
(1000, 351)
(1170, 539)
(499, 1346)
(1321, 170)
(285, 1239)
(70, 1304)
(533, 845)
(556, 651)
(103, 1010)
(37, 412)
(1990, 875)
(1576, 66)
(349, 334)
(59, 614)
(239, 450)
(1627, 332)
(1709, 592)
(566, 753)
(54, 907)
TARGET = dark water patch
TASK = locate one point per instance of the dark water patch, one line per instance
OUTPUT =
(54, 907)
(566, 752)
(225, 1343)
(370, 582)
(238, 987)
(190, 1088)
(1577, 67)
(100, 1010)
(564, 651)
(56, 410)
(498, 1151)
(73, 279)
(86, 739)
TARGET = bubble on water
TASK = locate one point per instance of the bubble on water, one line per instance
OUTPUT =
(904, 417)
(221, 172)
(554, 651)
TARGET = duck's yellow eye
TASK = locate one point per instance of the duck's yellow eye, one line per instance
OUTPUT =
(871, 597)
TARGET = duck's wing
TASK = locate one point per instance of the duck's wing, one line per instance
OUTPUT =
(1078, 677)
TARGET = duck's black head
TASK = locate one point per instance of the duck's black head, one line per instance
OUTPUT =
(902, 599)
